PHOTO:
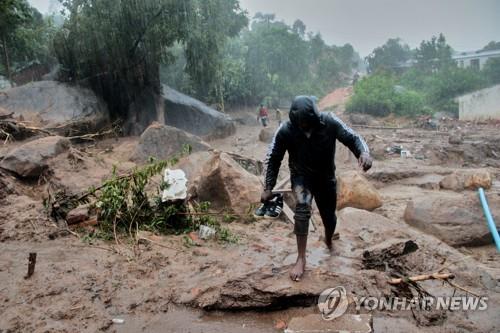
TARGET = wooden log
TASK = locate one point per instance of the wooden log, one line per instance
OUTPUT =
(31, 264)
(424, 277)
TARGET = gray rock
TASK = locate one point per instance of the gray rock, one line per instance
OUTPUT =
(456, 219)
(162, 142)
(195, 117)
(51, 104)
(30, 159)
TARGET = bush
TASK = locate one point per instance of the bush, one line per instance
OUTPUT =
(377, 95)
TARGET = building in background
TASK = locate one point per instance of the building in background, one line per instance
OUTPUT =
(475, 59)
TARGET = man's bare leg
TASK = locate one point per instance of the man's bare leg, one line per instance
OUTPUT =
(300, 265)
(329, 237)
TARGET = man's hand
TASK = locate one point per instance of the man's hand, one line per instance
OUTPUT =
(266, 196)
(365, 161)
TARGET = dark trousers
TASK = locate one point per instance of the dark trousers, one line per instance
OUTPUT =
(324, 193)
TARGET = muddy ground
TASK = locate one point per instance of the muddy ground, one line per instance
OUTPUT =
(167, 286)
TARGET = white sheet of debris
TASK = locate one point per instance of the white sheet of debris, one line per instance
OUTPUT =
(177, 189)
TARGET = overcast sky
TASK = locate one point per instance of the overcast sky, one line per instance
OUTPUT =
(467, 24)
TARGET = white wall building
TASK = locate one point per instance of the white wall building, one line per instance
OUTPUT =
(483, 104)
(475, 59)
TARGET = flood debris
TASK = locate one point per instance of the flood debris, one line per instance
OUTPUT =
(31, 265)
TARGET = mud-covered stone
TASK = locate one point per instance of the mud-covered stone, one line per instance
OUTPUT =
(266, 134)
(219, 179)
(78, 215)
(354, 190)
(162, 142)
(31, 159)
(467, 179)
(456, 219)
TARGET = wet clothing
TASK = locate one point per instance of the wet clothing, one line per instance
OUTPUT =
(263, 112)
(263, 116)
(311, 159)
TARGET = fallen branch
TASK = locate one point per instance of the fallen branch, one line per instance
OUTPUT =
(92, 136)
(454, 285)
(424, 277)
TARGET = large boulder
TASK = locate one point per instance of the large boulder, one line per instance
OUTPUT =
(51, 104)
(195, 117)
(219, 179)
(454, 218)
(162, 142)
(31, 159)
(354, 190)
(467, 179)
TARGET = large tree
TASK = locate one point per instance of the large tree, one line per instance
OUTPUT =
(434, 54)
(389, 56)
(118, 45)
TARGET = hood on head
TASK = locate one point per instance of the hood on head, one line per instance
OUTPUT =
(304, 109)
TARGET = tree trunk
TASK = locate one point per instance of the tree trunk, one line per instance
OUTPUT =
(6, 57)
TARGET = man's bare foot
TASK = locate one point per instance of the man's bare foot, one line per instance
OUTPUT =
(298, 270)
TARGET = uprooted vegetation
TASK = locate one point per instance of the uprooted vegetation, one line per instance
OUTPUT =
(125, 204)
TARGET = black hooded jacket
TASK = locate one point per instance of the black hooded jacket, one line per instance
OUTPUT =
(312, 158)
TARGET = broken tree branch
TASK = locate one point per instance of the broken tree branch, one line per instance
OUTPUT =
(424, 277)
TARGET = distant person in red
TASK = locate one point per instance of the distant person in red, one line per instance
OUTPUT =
(263, 115)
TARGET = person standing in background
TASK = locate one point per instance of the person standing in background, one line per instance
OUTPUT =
(263, 116)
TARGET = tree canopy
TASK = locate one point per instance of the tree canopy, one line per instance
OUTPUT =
(389, 56)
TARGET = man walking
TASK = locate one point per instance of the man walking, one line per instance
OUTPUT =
(310, 137)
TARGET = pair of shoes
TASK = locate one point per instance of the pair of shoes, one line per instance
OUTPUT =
(271, 208)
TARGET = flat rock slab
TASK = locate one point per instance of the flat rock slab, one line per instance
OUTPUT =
(347, 323)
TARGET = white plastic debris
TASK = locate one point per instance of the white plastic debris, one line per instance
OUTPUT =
(405, 153)
(206, 232)
(177, 185)
(118, 321)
